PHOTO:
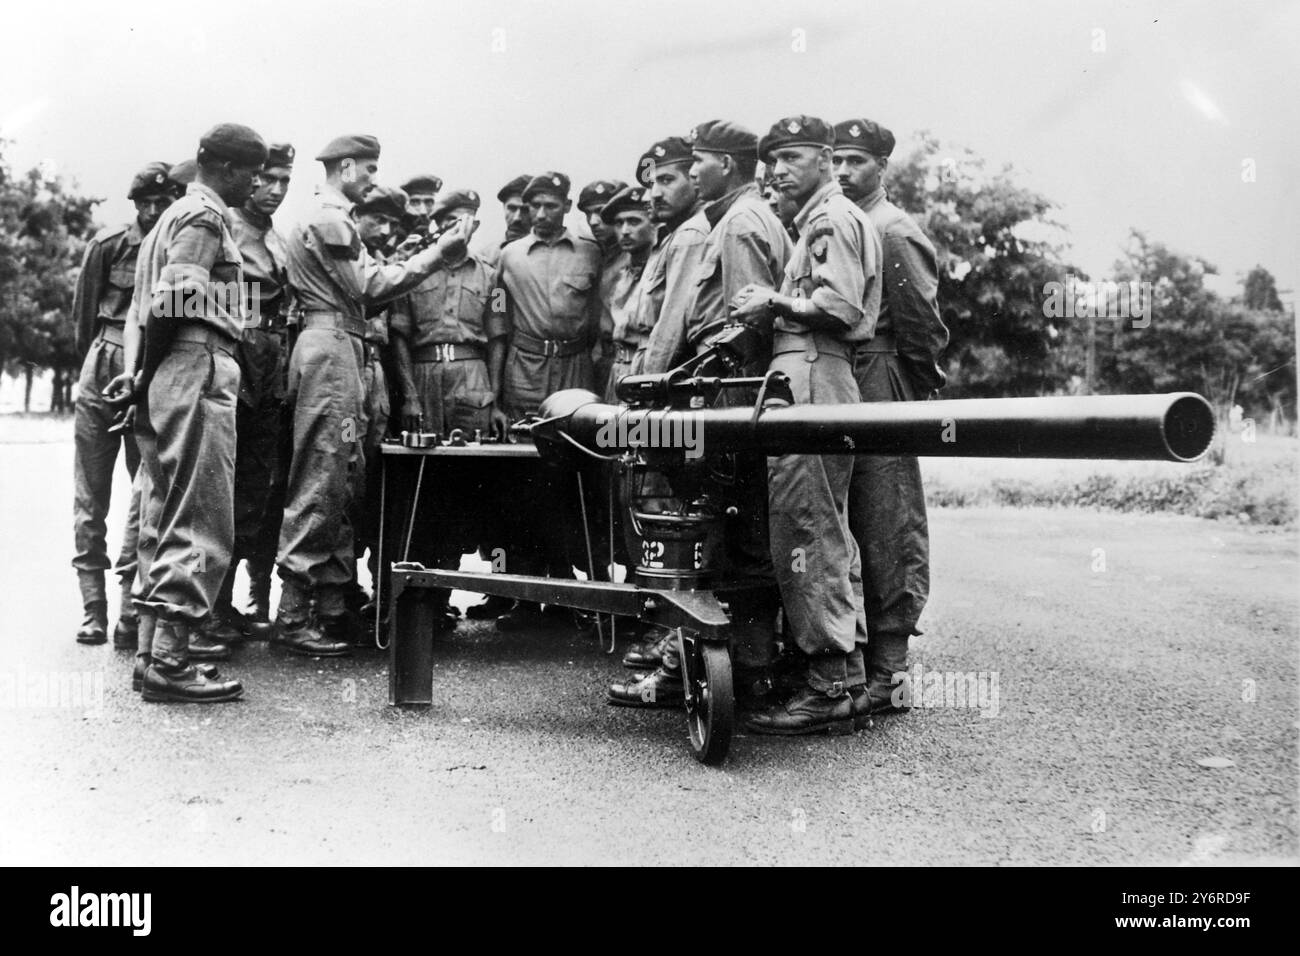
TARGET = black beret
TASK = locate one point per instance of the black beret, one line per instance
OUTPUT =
(385, 201)
(233, 143)
(721, 136)
(515, 187)
(155, 179)
(424, 185)
(279, 154)
(865, 135)
(796, 131)
(456, 199)
(357, 146)
(627, 199)
(599, 192)
(666, 152)
(551, 182)
(183, 174)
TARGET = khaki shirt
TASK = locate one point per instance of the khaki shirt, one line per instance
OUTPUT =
(552, 288)
(682, 254)
(747, 245)
(909, 306)
(618, 300)
(835, 264)
(265, 262)
(107, 279)
(452, 306)
(331, 270)
(190, 265)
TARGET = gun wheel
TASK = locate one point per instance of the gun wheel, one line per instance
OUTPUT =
(710, 698)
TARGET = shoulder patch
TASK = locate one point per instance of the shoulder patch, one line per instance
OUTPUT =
(335, 229)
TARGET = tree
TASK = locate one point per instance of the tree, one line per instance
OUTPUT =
(1260, 291)
(44, 225)
(1229, 352)
(996, 257)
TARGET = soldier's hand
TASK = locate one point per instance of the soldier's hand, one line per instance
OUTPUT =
(454, 243)
(499, 423)
(120, 390)
(125, 424)
(412, 415)
(751, 303)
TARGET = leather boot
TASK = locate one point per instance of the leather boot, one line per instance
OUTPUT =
(806, 712)
(259, 592)
(204, 643)
(524, 615)
(649, 652)
(886, 656)
(94, 603)
(142, 664)
(490, 609)
(657, 688)
(308, 639)
(126, 633)
(185, 684)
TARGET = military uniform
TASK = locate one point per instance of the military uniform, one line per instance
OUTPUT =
(262, 353)
(836, 267)
(186, 420)
(899, 363)
(552, 313)
(334, 278)
(620, 286)
(100, 307)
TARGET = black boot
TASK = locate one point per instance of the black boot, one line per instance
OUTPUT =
(307, 638)
(94, 603)
(259, 592)
(657, 688)
(164, 683)
(806, 712)
(490, 609)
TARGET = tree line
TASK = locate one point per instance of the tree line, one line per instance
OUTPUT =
(1000, 252)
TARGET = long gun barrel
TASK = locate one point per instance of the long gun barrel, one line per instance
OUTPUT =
(1170, 427)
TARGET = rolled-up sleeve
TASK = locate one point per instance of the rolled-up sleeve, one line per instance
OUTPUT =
(838, 281)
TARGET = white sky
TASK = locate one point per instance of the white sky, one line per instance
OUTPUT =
(1152, 132)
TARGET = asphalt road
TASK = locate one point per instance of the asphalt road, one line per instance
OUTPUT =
(1116, 670)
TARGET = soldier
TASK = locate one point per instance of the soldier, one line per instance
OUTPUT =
(828, 304)
(448, 359)
(550, 279)
(745, 245)
(591, 200)
(262, 354)
(518, 223)
(334, 279)
(421, 196)
(187, 317)
(378, 216)
(668, 278)
(100, 306)
(899, 363)
(628, 214)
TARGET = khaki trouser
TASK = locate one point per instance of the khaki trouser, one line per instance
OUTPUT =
(814, 554)
(530, 378)
(887, 513)
(95, 455)
(259, 421)
(187, 439)
(454, 395)
(327, 467)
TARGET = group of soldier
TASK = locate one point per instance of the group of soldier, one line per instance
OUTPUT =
(250, 379)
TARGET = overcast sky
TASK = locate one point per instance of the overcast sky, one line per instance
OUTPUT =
(1125, 113)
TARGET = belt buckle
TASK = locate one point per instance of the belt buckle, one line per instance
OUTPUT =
(552, 348)
(444, 352)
